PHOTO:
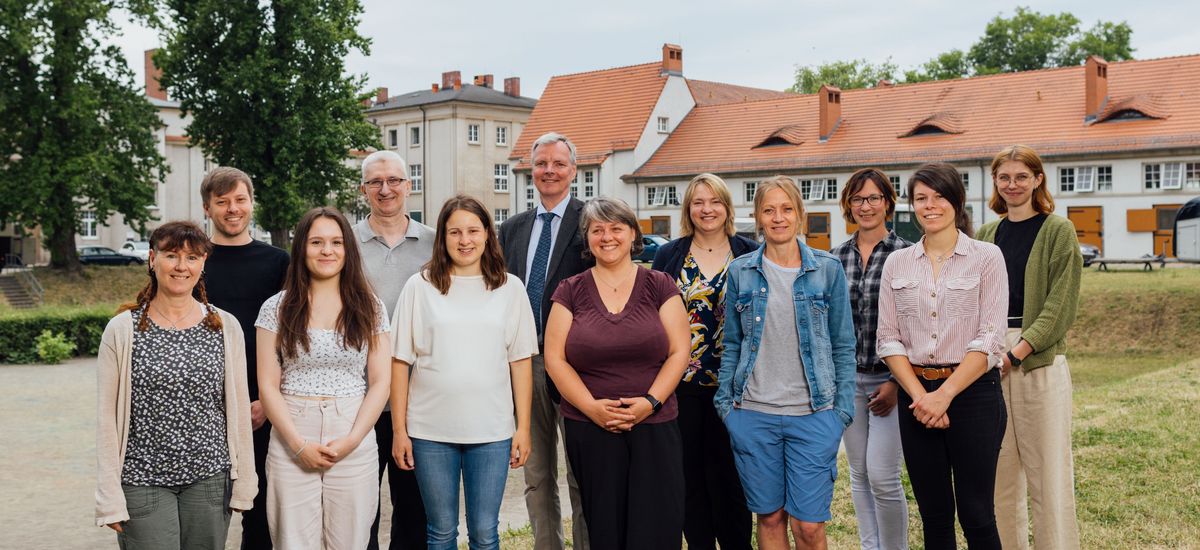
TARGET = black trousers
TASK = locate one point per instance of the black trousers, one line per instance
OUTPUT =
(715, 504)
(408, 510)
(630, 483)
(956, 467)
(256, 534)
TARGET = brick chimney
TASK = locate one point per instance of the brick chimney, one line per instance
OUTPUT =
(451, 79)
(485, 80)
(153, 74)
(672, 62)
(1096, 89)
(435, 87)
(830, 99)
(512, 86)
(381, 95)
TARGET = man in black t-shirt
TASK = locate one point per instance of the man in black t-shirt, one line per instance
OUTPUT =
(239, 275)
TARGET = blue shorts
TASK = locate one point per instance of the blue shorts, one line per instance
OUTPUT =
(786, 461)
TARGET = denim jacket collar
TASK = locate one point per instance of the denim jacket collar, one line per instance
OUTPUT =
(808, 260)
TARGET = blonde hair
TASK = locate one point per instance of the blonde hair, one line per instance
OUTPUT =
(1043, 203)
(788, 185)
(718, 187)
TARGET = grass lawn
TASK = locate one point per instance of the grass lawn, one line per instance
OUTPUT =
(100, 287)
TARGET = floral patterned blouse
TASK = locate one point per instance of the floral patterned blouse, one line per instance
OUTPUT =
(705, 302)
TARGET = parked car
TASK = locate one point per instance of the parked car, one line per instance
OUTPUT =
(651, 242)
(137, 249)
(1090, 253)
(103, 255)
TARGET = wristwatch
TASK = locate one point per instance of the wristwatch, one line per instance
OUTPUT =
(1013, 359)
(654, 403)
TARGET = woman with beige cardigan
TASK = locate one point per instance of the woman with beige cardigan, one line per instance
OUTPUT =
(173, 443)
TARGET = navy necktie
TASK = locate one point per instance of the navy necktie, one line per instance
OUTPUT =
(535, 284)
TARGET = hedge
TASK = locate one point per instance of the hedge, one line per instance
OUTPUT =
(83, 327)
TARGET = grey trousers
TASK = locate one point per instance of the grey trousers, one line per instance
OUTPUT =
(541, 473)
(194, 516)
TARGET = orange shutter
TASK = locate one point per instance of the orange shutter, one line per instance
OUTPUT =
(1140, 220)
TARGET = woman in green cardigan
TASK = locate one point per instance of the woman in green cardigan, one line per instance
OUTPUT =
(1043, 261)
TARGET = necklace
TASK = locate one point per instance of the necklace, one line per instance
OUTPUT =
(175, 323)
(709, 249)
(942, 257)
(596, 276)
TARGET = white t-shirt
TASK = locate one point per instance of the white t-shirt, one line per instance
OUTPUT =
(328, 368)
(460, 345)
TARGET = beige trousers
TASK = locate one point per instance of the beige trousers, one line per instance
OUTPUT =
(1035, 458)
(313, 509)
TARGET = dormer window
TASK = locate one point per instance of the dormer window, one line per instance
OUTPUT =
(787, 135)
(664, 124)
(935, 124)
(1139, 107)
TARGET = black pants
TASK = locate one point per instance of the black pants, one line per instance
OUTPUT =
(630, 483)
(408, 511)
(256, 535)
(956, 467)
(715, 505)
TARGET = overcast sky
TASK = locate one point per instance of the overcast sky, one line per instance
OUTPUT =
(752, 42)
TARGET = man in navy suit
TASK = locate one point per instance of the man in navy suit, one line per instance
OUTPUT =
(543, 247)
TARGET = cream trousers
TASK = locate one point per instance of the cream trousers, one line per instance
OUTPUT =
(1035, 458)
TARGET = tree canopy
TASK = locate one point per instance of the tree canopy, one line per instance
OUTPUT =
(1027, 41)
(76, 133)
(267, 92)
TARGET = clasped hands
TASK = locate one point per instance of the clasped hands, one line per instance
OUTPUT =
(619, 415)
(314, 456)
(930, 409)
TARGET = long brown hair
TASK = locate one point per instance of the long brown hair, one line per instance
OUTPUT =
(1043, 203)
(179, 236)
(944, 179)
(437, 271)
(356, 321)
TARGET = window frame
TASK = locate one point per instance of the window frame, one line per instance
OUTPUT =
(501, 174)
(663, 125)
(414, 136)
(416, 178)
(89, 225)
(502, 136)
(472, 134)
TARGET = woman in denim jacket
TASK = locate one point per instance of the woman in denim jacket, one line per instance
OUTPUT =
(786, 385)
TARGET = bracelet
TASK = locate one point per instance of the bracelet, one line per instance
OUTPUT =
(301, 449)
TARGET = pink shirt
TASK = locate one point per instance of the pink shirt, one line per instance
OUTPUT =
(938, 322)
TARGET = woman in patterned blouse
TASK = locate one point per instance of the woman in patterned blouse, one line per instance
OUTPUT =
(715, 505)
(173, 445)
(316, 340)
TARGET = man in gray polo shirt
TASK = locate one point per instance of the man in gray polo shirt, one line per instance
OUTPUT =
(393, 248)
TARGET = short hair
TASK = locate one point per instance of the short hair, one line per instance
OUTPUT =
(547, 139)
(718, 187)
(223, 179)
(1043, 203)
(381, 156)
(944, 180)
(610, 210)
(788, 185)
(855, 184)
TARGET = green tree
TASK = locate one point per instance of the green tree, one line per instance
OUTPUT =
(76, 134)
(1108, 40)
(847, 75)
(1030, 40)
(267, 92)
(950, 65)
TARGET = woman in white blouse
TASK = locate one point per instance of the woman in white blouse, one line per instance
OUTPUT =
(465, 329)
(315, 339)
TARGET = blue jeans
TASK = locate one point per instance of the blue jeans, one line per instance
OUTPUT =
(483, 468)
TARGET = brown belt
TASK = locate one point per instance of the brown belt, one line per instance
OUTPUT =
(934, 372)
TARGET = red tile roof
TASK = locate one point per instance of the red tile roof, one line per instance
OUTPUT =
(600, 111)
(1043, 109)
(716, 93)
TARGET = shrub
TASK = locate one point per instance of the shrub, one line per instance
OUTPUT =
(80, 328)
(52, 348)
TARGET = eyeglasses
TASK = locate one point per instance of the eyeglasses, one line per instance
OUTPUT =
(1021, 178)
(872, 200)
(376, 185)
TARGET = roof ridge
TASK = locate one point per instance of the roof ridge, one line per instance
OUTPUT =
(639, 65)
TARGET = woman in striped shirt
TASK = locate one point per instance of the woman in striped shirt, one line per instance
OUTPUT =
(942, 317)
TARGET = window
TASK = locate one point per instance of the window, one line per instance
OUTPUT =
(1191, 177)
(414, 136)
(662, 196)
(575, 185)
(1085, 179)
(966, 180)
(589, 184)
(87, 222)
(416, 173)
(530, 199)
(749, 188)
(664, 124)
(1152, 176)
(1066, 179)
(473, 133)
(901, 190)
(1171, 175)
(818, 189)
(502, 135)
(500, 178)
(416, 216)
(500, 214)
(393, 138)
(1104, 178)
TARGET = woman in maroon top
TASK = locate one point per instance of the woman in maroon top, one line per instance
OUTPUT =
(617, 343)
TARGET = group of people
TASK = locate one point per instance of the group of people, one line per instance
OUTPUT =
(715, 385)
